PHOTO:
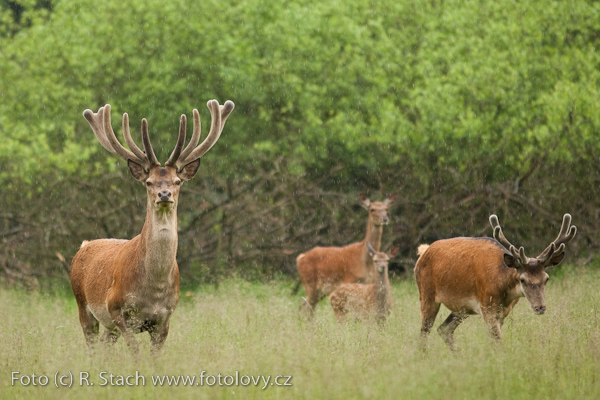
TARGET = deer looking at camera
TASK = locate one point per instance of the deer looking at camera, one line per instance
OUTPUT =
(132, 286)
(366, 301)
(483, 276)
(323, 269)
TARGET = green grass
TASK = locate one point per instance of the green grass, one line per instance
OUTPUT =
(255, 329)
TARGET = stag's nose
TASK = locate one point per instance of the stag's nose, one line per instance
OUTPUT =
(539, 309)
(385, 218)
(164, 195)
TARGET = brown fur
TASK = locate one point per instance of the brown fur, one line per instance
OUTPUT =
(323, 269)
(132, 286)
(366, 301)
(469, 277)
(480, 276)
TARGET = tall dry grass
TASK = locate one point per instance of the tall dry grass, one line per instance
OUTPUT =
(255, 329)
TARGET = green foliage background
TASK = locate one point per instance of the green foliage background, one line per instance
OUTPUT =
(463, 108)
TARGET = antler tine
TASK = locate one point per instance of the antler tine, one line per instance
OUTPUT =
(566, 234)
(152, 160)
(99, 122)
(225, 110)
(213, 134)
(180, 142)
(127, 135)
(218, 117)
(520, 255)
(96, 121)
(112, 139)
(195, 136)
(498, 234)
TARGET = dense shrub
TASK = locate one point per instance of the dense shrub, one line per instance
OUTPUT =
(463, 108)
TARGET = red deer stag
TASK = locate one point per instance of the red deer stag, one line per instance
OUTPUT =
(483, 276)
(323, 269)
(132, 286)
(366, 301)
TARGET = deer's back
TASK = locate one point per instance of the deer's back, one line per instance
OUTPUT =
(355, 298)
(333, 265)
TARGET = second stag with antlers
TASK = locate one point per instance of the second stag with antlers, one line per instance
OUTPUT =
(483, 276)
(132, 286)
(323, 269)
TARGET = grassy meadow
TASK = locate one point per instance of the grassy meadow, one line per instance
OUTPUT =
(254, 329)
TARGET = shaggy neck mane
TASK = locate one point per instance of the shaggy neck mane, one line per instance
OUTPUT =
(159, 240)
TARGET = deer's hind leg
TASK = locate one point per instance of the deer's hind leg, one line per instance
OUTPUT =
(89, 324)
(447, 328)
(310, 302)
(429, 310)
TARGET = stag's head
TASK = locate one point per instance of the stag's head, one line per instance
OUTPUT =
(381, 259)
(162, 183)
(378, 209)
(532, 271)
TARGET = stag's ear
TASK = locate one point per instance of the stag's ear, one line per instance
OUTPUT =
(556, 259)
(390, 200)
(394, 251)
(371, 249)
(189, 170)
(364, 201)
(510, 261)
(138, 172)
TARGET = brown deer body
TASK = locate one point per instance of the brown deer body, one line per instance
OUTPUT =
(323, 269)
(132, 286)
(482, 276)
(366, 301)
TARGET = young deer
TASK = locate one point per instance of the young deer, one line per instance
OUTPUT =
(483, 276)
(323, 269)
(132, 286)
(365, 301)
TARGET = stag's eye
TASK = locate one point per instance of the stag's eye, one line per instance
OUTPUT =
(522, 281)
(148, 183)
(178, 182)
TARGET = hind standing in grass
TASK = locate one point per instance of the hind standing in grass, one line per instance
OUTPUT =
(323, 269)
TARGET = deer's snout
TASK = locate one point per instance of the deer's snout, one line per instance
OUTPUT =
(164, 195)
(539, 309)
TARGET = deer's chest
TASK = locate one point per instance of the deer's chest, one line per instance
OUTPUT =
(151, 305)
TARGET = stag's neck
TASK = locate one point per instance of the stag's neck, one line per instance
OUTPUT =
(373, 236)
(514, 289)
(159, 241)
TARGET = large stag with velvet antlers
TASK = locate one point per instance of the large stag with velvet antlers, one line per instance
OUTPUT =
(323, 269)
(132, 286)
(483, 276)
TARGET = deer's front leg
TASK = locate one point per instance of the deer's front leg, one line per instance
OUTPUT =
(507, 311)
(118, 315)
(490, 316)
(158, 335)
